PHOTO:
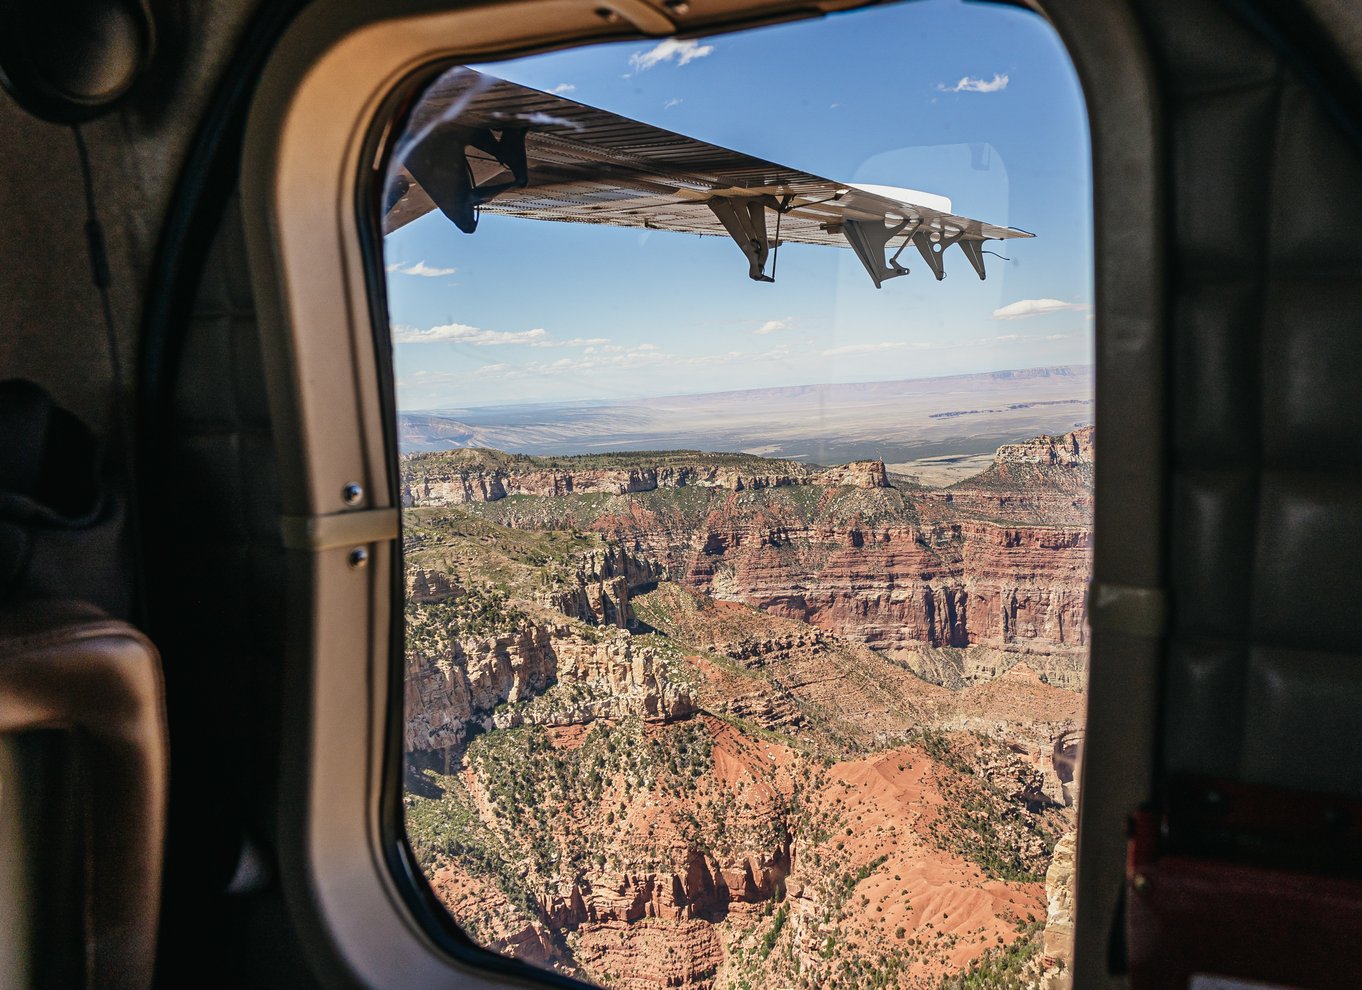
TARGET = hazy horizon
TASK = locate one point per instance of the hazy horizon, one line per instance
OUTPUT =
(897, 420)
(647, 396)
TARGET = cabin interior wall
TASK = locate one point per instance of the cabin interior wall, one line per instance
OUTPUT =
(51, 325)
(51, 330)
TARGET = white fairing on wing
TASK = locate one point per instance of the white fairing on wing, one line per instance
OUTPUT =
(913, 197)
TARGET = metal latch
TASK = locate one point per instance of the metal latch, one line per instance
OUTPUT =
(339, 529)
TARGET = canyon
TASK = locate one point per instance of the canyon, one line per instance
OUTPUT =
(715, 720)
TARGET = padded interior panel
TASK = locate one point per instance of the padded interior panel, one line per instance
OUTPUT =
(1264, 669)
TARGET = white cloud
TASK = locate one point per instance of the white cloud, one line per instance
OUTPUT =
(1017, 338)
(394, 266)
(772, 326)
(675, 101)
(1024, 308)
(884, 345)
(629, 358)
(716, 360)
(968, 84)
(938, 345)
(462, 333)
(602, 361)
(562, 88)
(422, 269)
(670, 50)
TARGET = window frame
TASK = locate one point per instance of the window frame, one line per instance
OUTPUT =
(310, 175)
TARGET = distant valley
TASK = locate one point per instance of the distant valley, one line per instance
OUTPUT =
(902, 422)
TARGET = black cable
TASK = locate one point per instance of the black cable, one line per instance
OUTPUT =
(121, 411)
(99, 274)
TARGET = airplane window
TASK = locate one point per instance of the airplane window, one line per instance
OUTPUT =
(744, 398)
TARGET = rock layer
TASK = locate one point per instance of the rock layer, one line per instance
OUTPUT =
(467, 476)
(456, 687)
(1015, 591)
(1066, 450)
(1058, 946)
(598, 589)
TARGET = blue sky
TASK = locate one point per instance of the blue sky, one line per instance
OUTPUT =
(975, 102)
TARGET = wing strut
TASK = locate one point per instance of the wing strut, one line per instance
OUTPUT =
(440, 164)
(932, 246)
(745, 221)
(870, 239)
(974, 251)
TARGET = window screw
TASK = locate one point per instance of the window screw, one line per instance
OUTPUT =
(1140, 882)
(353, 493)
(357, 558)
(609, 16)
(681, 7)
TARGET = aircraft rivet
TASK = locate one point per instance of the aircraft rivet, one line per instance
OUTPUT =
(353, 493)
(358, 558)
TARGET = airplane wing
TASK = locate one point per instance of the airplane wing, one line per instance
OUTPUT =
(477, 144)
